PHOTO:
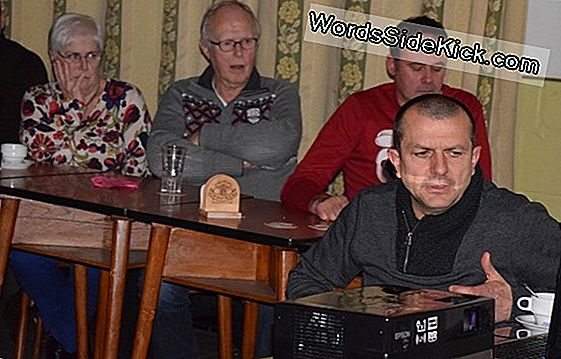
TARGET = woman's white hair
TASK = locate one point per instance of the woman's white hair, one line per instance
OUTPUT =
(71, 25)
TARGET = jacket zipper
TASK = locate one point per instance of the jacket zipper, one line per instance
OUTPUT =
(408, 240)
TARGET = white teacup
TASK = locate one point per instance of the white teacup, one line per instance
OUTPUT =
(13, 152)
(541, 306)
(14, 149)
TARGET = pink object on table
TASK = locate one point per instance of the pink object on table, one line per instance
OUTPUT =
(113, 182)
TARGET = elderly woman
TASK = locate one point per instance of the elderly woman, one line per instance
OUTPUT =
(84, 120)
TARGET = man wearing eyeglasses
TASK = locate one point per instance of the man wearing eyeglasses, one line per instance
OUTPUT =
(232, 121)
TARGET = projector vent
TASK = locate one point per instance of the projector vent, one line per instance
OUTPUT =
(317, 335)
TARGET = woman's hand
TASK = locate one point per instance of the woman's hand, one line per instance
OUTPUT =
(79, 88)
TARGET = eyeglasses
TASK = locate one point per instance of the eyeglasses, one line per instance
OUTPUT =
(229, 45)
(76, 57)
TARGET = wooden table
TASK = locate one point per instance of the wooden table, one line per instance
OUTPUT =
(10, 206)
(242, 258)
(94, 241)
(248, 259)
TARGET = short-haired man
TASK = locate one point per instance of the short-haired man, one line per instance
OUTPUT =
(358, 135)
(232, 121)
(439, 223)
(20, 69)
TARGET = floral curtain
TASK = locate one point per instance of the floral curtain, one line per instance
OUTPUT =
(152, 43)
(289, 40)
(6, 7)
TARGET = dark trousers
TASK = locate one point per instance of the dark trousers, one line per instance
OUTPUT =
(52, 290)
(173, 334)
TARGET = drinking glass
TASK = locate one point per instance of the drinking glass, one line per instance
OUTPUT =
(173, 157)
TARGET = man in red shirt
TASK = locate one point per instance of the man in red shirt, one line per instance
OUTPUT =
(357, 137)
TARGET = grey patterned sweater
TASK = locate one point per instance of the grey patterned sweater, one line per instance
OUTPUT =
(261, 126)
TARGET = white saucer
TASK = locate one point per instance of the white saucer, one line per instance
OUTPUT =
(529, 322)
(16, 166)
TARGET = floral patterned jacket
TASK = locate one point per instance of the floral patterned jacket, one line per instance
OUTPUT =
(113, 137)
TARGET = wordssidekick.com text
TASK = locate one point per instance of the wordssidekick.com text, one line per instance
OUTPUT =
(394, 37)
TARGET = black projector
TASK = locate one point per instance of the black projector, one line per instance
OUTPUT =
(383, 322)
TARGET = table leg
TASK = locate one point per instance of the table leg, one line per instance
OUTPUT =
(81, 305)
(24, 307)
(159, 238)
(285, 261)
(100, 316)
(38, 339)
(225, 326)
(250, 313)
(120, 244)
(8, 216)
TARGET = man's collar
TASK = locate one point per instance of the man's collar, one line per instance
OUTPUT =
(254, 82)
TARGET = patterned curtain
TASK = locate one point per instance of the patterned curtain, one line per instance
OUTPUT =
(112, 51)
(59, 8)
(289, 40)
(7, 13)
(434, 9)
(169, 45)
(486, 81)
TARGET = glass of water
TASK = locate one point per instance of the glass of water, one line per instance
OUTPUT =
(173, 157)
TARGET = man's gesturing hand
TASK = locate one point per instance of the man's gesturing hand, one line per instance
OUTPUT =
(495, 287)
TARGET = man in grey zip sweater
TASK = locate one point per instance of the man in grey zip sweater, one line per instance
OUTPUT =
(232, 121)
(438, 225)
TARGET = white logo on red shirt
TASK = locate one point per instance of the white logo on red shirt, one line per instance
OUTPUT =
(383, 139)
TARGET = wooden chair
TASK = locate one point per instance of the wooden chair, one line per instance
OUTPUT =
(25, 308)
(82, 334)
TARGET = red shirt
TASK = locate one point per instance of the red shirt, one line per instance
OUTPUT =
(356, 140)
